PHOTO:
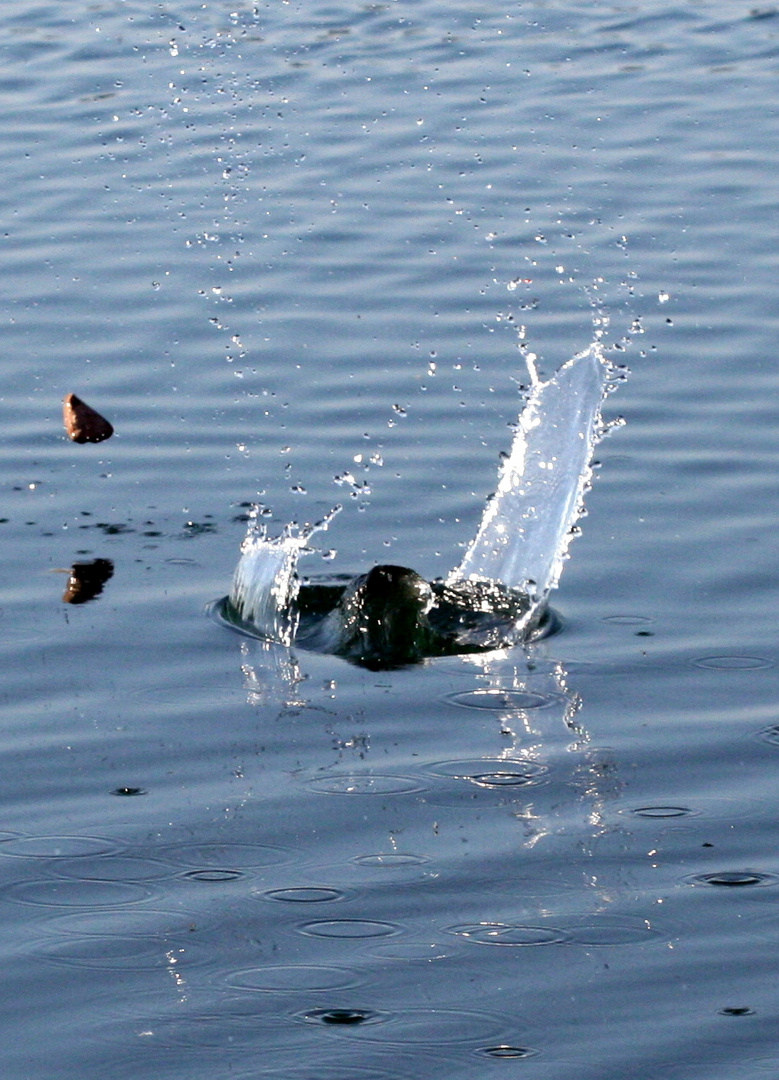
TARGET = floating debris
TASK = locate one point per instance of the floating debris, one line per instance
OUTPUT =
(82, 423)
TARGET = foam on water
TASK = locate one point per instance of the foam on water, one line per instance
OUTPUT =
(527, 526)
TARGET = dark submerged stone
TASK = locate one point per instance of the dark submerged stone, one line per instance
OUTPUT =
(391, 617)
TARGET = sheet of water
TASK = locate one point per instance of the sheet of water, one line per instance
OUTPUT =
(290, 252)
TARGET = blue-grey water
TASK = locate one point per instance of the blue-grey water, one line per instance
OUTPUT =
(296, 253)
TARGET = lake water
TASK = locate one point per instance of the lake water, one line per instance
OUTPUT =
(296, 254)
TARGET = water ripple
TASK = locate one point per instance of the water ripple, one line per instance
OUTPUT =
(110, 868)
(391, 860)
(138, 924)
(224, 856)
(732, 879)
(364, 784)
(216, 1032)
(733, 663)
(213, 875)
(58, 847)
(291, 978)
(349, 928)
(85, 894)
(510, 700)
(660, 811)
(118, 953)
(342, 1017)
(435, 1028)
(770, 734)
(510, 935)
(506, 1052)
(491, 772)
(330, 1071)
(305, 894)
(604, 930)
(409, 951)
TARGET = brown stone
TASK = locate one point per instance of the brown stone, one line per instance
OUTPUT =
(82, 423)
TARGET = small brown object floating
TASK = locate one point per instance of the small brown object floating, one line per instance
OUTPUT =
(82, 423)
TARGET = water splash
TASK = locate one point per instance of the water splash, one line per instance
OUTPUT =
(265, 583)
(508, 570)
(529, 522)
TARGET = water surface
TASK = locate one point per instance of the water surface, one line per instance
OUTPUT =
(297, 255)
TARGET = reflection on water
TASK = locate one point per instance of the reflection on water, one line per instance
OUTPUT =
(538, 740)
(86, 580)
